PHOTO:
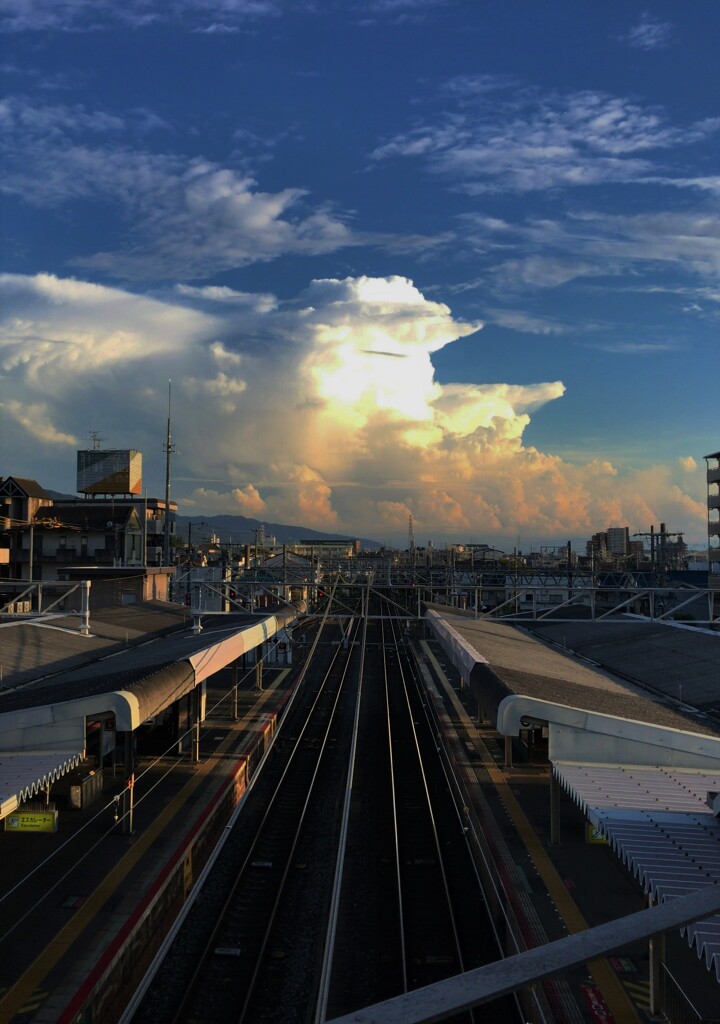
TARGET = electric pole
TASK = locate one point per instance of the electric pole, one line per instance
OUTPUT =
(169, 448)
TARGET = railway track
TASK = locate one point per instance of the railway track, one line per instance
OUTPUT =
(422, 914)
(346, 878)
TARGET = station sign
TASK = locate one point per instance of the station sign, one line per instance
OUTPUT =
(32, 821)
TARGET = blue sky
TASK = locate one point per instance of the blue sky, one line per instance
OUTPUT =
(445, 257)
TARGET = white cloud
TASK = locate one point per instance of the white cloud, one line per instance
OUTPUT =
(191, 217)
(34, 418)
(398, 12)
(217, 28)
(336, 420)
(518, 320)
(649, 33)
(221, 390)
(20, 117)
(637, 348)
(260, 302)
(527, 142)
(73, 352)
(690, 239)
(55, 328)
(547, 271)
(207, 219)
(92, 15)
(709, 183)
(248, 500)
(593, 243)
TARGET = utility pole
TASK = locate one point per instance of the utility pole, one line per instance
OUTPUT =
(169, 450)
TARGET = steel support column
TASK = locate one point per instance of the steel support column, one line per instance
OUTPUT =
(656, 955)
(555, 794)
(195, 712)
(234, 712)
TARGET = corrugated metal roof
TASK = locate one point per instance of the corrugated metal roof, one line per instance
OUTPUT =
(24, 774)
(658, 821)
(515, 662)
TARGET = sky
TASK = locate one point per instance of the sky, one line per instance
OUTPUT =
(454, 259)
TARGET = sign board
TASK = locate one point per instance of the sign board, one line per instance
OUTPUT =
(32, 821)
(594, 835)
(117, 471)
(623, 964)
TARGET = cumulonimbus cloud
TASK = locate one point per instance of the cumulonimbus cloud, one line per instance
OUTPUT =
(325, 411)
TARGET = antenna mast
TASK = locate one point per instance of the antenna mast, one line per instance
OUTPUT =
(169, 449)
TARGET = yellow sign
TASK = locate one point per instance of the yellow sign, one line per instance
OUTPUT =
(594, 835)
(32, 821)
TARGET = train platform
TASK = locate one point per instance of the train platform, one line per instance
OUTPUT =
(61, 914)
(67, 896)
(563, 887)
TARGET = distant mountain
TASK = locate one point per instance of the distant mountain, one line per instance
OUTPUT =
(60, 495)
(241, 530)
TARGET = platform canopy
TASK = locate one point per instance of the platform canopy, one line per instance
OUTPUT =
(645, 772)
(24, 775)
(660, 823)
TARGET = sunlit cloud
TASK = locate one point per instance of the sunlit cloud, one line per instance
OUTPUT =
(263, 303)
(35, 419)
(336, 421)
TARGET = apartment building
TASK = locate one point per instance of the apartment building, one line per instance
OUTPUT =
(712, 462)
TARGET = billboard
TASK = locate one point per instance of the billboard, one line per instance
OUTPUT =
(109, 472)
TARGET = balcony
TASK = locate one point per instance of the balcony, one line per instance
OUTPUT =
(713, 476)
(66, 555)
(71, 556)
(714, 529)
(713, 501)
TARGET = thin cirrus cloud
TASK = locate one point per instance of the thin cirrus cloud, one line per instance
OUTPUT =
(206, 218)
(263, 302)
(190, 217)
(527, 323)
(498, 140)
(550, 252)
(402, 441)
(94, 15)
(640, 348)
(649, 34)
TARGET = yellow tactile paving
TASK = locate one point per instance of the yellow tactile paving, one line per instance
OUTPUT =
(17, 996)
(601, 971)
